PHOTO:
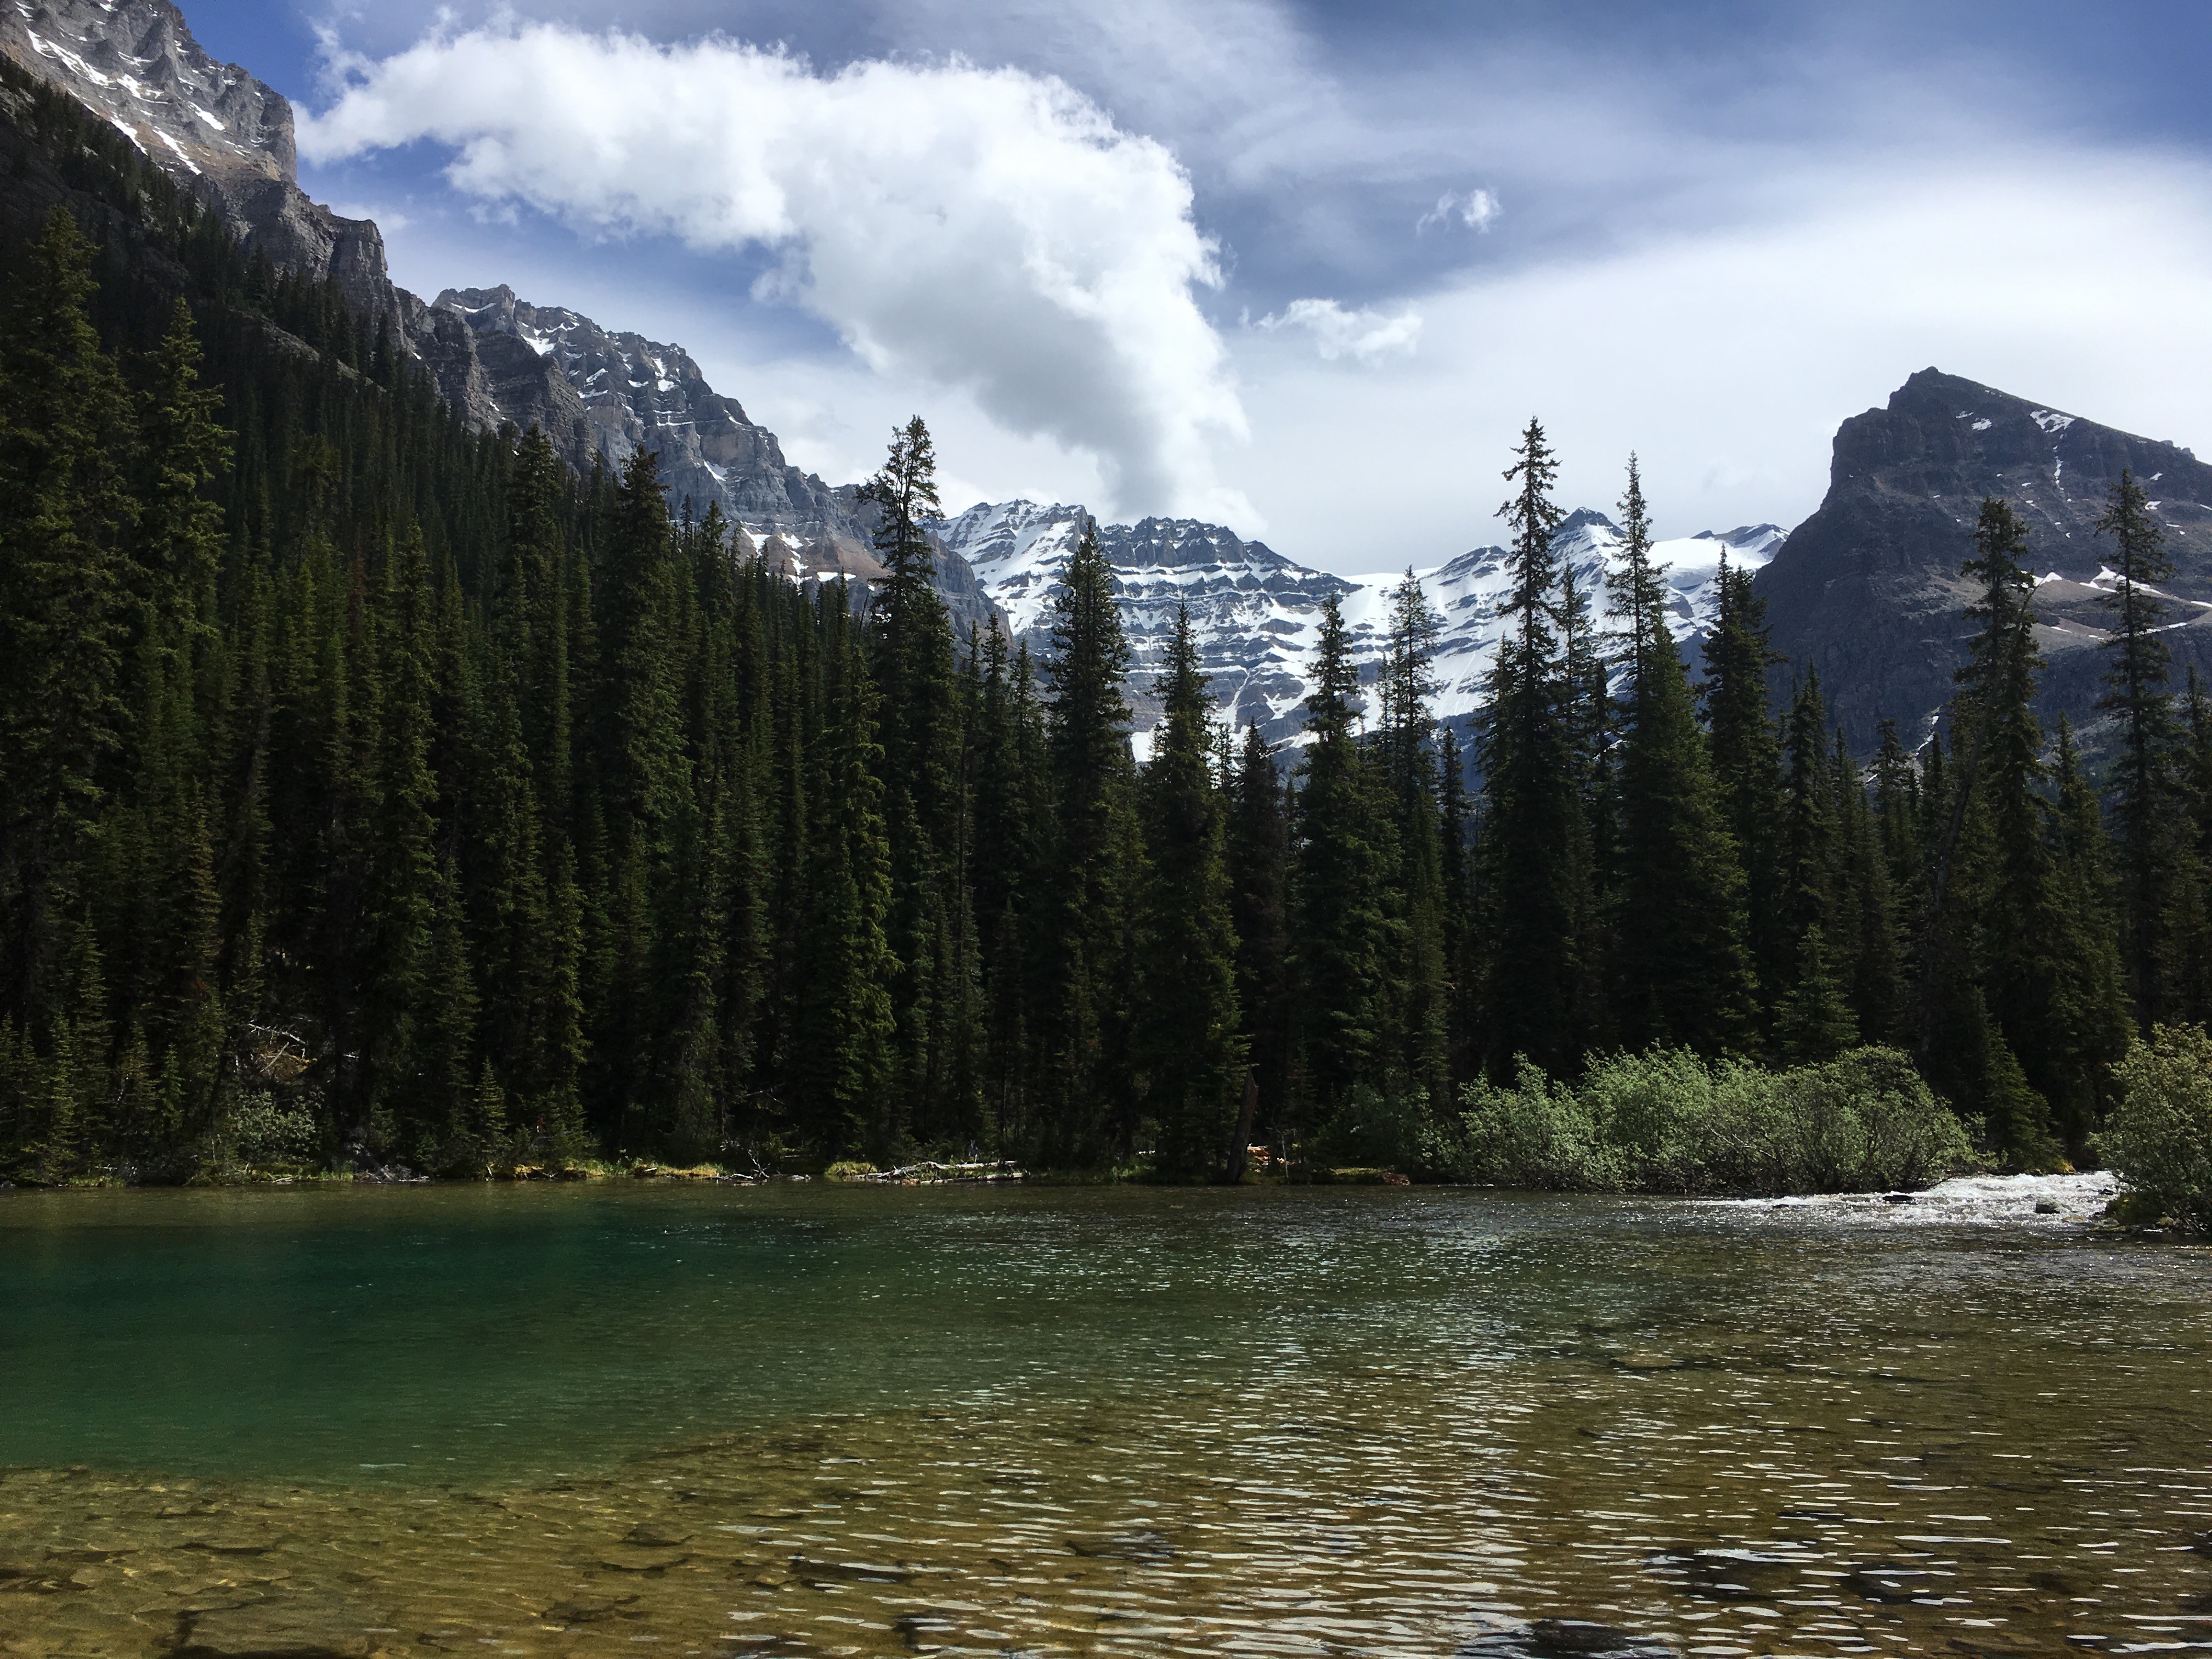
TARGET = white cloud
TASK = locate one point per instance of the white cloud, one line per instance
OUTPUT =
(1366, 336)
(987, 230)
(1478, 209)
(1727, 358)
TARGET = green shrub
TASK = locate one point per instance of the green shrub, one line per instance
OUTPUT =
(260, 1132)
(1535, 1134)
(1667, 1121)
(2159, 1138)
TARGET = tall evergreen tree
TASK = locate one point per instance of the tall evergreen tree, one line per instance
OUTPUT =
(1534, 830)
(1682, 972)
(1190, 1029)
(1083, 1033)
(1747, 758)
(2153, 862)
(1345, 859)
(64, 510)
(1257, 856)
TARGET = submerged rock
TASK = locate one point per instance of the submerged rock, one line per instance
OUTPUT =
(1566, 1639)
(282, 1627)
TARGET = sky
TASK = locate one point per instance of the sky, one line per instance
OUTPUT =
(1307, 269)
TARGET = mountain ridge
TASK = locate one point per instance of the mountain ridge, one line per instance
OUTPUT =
(1257, 614)
(1867, 591)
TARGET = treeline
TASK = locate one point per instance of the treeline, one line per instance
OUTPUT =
(373, 790)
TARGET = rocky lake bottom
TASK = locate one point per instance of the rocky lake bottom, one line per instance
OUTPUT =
(1332, 1421)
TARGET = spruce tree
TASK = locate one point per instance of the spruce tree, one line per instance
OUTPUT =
(843, 1060)
(1635, 588)
(1420, 1027)
(2153, 862)
(64, 510)
(1191, 1035)
(1083, 1031)
(1746, 760)
(1257, 856)
(1533, 831)
(1682, 971)
(2088, 1025)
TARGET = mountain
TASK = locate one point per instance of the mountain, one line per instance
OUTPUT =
(227, 137)
(602, 395)
(1867, 591)
(1257, 614)
(599, 396)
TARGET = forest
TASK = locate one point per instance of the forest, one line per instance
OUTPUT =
(377, 793)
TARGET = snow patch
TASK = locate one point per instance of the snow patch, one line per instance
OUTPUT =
(179, 150)
(2050, 420)
(1257, 614)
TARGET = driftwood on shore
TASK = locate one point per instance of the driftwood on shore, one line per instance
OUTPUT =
(927, 1170)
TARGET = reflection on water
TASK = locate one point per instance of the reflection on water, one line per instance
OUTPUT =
(810, 1422)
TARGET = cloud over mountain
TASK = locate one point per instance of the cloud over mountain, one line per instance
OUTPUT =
(987, 228)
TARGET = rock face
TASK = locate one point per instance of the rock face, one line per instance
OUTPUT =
(1867, 591)
(1257, 615)
(213, 128)
(603, 396)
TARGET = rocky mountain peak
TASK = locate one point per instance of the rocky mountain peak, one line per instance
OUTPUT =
(1257, 615)
(601, 395)
(1868, 591)
(136, 63)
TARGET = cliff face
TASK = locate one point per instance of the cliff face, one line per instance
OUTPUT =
(1867, 591)
(228, 137)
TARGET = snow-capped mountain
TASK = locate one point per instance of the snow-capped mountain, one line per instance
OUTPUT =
(135, 63)
(602, 395)
(1257, 615)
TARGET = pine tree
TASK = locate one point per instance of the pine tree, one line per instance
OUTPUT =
(1747, 759)
(64, 510)
(1345, 859)
(1192, 1045)
(844, 1058)
(1809, 862)
(933, 928)
(1419, 1029)
(1533, 828)
(1258, 848)
(2089, 1026)
(1635, 588)
(1683, 974)
(2153, 860)
(1083, 1032)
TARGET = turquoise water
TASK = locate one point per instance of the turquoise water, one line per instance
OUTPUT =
(800, 1419)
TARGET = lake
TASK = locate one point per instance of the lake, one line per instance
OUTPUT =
(637, 1417)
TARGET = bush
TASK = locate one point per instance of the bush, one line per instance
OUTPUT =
(260, 1132)
(1667, 1121)
(2159, 1138)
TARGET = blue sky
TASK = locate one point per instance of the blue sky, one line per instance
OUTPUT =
(1308, 267)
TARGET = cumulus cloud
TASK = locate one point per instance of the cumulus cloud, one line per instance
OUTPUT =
(1477, 210)
(1365, 336)
(984, 229)
(1727, 358)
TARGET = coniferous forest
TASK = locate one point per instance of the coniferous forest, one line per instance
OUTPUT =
(378, 793)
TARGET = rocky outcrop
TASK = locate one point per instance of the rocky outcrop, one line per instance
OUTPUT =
(1867, 591)
(213, 128)
(603, 396)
